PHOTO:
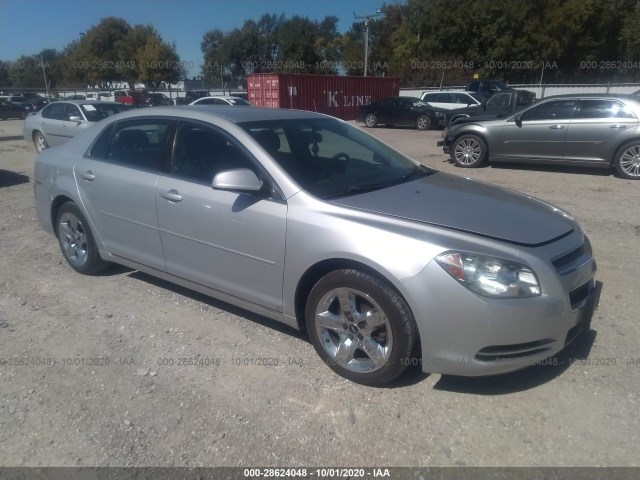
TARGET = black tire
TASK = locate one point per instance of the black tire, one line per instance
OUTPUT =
(39, 142)
(77, 242)
(377, 348)
(469, 151)
(423, 122)
(370, 120)
(627, 161)
(23, 115)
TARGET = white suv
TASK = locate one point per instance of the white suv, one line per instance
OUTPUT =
(451, 100)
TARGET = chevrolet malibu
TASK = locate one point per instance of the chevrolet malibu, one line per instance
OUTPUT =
(59, 121)
(308, 220)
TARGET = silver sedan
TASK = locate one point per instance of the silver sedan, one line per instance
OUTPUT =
(59, 121)
(310, 221)
(591, 130)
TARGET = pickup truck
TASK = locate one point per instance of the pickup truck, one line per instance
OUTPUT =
(501, 103)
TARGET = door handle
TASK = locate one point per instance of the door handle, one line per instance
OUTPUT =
(172, 196)
(556, 127)
(617, 125)
(88, 176)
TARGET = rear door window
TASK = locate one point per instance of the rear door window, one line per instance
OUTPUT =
(602, 108)
(553, 110)
(140, 144)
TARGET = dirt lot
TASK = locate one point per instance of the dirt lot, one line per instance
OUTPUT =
(102, 384)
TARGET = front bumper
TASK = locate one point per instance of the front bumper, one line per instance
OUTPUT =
(462, 333)
(445, 143)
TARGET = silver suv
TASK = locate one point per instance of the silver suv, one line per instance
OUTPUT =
(582, 130)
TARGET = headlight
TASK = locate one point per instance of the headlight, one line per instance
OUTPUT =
(489, 276)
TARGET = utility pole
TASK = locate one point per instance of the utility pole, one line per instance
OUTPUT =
(46, 85)
(366, 19)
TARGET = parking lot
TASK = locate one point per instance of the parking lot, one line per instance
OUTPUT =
(123, 369)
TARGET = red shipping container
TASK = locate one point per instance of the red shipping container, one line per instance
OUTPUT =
(338, 96)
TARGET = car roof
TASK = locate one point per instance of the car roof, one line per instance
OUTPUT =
(231, 113)
(88, 102)
(222, 97)
(569, 96)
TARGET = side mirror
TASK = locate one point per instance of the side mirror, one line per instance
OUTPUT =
(518, 120)
(75, 118)
(238, 180)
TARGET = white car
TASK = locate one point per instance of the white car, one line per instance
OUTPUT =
(222, 100)
(451, 100)
(101, 96)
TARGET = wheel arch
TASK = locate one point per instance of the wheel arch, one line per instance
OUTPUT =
(617, 150)
(318, 270)
(457, 117)
(477, 133)
(55, 207)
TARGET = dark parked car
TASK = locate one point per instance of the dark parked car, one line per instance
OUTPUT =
(36, 104)
(11, 109)
(75, 97)
(30, 95)
(583, 130)
(156, 100)
(502, 103)
(488, 88)
(400, 111)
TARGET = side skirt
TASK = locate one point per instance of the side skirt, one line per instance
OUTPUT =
(210, 292)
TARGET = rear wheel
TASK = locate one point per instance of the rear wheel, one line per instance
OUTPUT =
(370, 120)
(627, 161)
(360, 326)
(469, 151)
(77, 242)
(23, 115)
(39, 142)
(423, 122)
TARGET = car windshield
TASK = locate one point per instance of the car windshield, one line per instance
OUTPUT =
(477, 96)
(96, 112)
(330, 158)
(419, 103)
(239, 101)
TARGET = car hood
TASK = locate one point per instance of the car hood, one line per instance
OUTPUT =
(467, 205)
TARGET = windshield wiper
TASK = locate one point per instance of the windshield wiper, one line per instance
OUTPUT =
(418, 172)
(357, 189)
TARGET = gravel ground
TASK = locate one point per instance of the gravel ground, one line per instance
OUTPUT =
(105, 381)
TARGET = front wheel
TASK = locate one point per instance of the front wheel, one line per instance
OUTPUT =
(423, 122)
(627, 161)
(360, 326)
(370, 120)
(469, 151)
(77, 242)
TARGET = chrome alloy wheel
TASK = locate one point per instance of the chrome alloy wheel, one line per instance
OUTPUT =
(353, 330)
(468, 151)
(630, 161)
(73, 239)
